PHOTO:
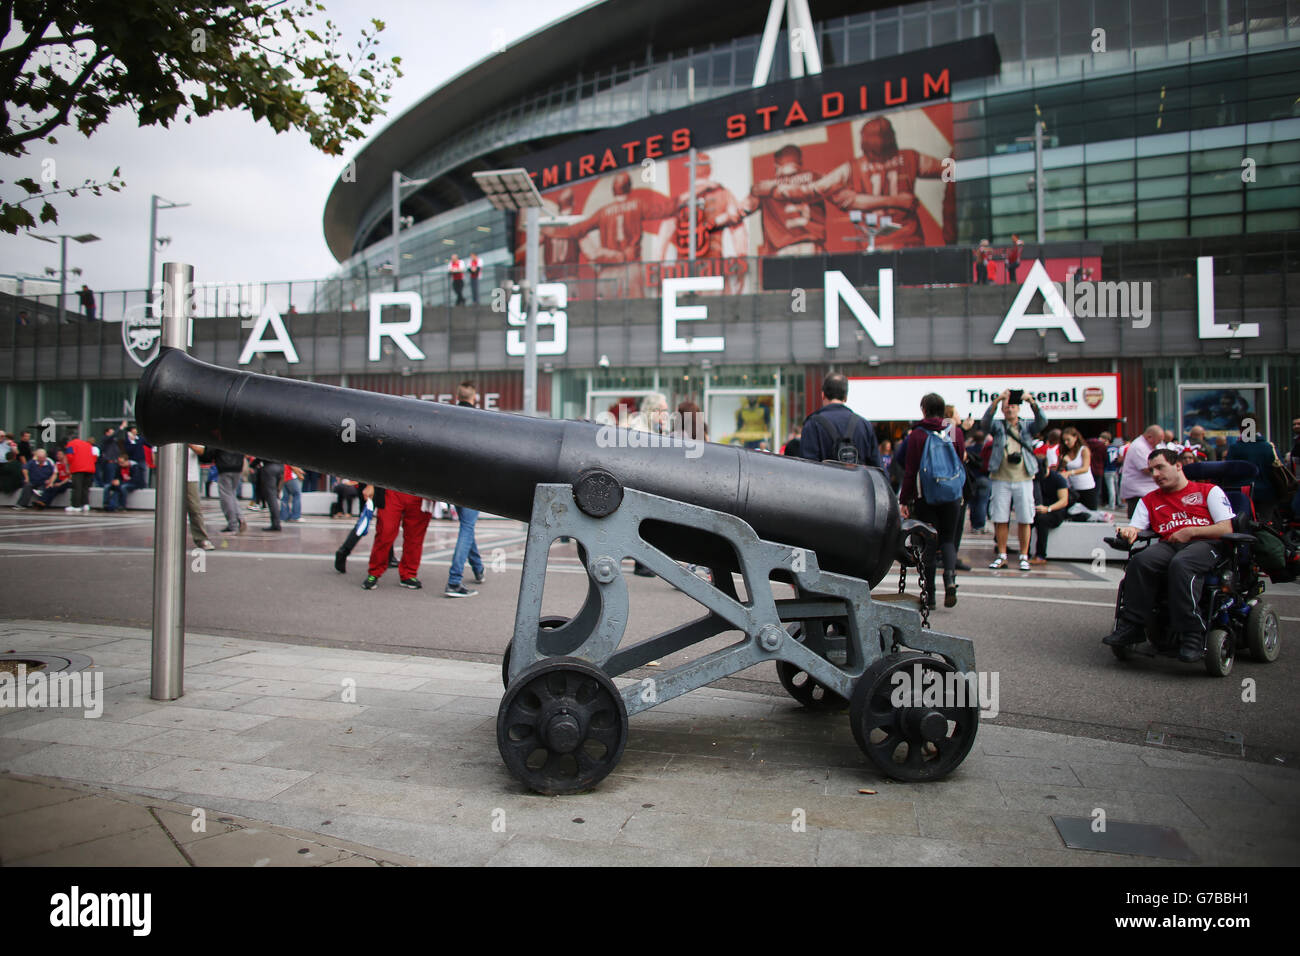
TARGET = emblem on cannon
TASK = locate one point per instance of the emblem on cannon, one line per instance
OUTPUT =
(824, 534)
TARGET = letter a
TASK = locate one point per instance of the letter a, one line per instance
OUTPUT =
(1057, 315)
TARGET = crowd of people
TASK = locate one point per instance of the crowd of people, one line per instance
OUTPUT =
(946, 471)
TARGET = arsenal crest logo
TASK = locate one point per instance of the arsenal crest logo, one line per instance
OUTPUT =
(141, 334)
(1195, 498)
(1092, 397)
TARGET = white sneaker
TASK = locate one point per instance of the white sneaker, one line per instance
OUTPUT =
(71, 509)
(999, 562)
(85, 509)
(1024, 562)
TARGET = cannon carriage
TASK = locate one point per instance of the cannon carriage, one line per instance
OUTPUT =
(828, 533)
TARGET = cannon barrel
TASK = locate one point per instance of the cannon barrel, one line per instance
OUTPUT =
(492, 461)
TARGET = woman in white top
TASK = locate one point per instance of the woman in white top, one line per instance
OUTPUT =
(1076, 467)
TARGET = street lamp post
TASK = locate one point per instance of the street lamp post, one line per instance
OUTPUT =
(156, 202)
(400, 182)
(512, 190)
(63, 261)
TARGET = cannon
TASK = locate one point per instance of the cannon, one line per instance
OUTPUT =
(826, 533)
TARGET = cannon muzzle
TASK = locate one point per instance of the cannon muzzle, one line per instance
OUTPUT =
(492, 461)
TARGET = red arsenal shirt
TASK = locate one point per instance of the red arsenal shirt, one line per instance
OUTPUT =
(1199, 504)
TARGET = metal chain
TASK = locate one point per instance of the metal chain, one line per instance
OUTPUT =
(914, 553)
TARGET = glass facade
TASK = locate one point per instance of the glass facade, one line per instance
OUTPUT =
(1150, 108)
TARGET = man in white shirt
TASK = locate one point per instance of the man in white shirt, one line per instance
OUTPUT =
(1135, 476)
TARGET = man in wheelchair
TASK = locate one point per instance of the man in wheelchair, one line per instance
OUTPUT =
(1189, 517)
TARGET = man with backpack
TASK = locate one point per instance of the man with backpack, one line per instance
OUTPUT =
(932, 489)
(835, 433)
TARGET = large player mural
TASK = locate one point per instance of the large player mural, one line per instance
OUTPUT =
(802, 191)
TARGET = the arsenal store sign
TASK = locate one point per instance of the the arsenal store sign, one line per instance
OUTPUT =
(892, 83)
(1062, 397)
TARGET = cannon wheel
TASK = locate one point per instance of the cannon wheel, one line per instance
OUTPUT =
(801, 685)
(562, 726)
(548, 622)
(910, 743)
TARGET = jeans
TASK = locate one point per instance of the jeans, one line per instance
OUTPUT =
(1111, 479)
(979, 506)
(228, 487)
(465, 548)
(291, 500)
(115, 496)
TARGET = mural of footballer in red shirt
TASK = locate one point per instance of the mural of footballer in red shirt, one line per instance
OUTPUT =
(883, 180)
(789, 228)
(713, 202)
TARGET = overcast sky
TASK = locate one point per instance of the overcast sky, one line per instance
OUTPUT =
(255, 197)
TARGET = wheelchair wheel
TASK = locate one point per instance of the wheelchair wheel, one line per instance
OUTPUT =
(1262, 633)
(1218, 653)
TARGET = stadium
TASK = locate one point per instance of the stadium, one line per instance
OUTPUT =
(1096, 199)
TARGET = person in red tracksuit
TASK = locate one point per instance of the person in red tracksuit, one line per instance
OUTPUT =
(81, 464)
(397, 510)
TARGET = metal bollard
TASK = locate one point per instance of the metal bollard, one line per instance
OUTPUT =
(168, 659)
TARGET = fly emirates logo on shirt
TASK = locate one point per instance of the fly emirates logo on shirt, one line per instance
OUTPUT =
(1167, 516)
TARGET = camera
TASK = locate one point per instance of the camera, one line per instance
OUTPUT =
(1013, 458)
(1015, 395)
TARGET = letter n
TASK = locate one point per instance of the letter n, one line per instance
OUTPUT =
(879, 327)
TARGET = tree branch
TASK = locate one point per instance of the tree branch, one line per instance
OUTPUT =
(7, 143)
(25, 50)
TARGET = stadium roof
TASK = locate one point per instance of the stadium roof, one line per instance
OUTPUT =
(597, 37)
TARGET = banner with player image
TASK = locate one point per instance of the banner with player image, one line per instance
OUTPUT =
(811, 189)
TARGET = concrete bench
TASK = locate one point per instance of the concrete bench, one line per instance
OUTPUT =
(1076, 541)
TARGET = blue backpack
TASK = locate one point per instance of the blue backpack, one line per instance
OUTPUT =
(941, 475)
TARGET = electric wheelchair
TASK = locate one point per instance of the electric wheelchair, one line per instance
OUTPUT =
(1231, 596)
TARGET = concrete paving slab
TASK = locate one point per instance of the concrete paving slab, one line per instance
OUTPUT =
(268, 707)
(18, 795)
(1184, 781)
(256, 847)
(219, 778)
(173, 716)
(839, 847)
(549, 851)
(294, 689)
(180, 826)
(683, 836)
(958, 789)
(343, 733)
(1128, 806)
(147, 846)
(862, 814)
(969, 825)
(11, 747)
(91, 764)
(206, 745)
(86, 732)
(67, 823)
